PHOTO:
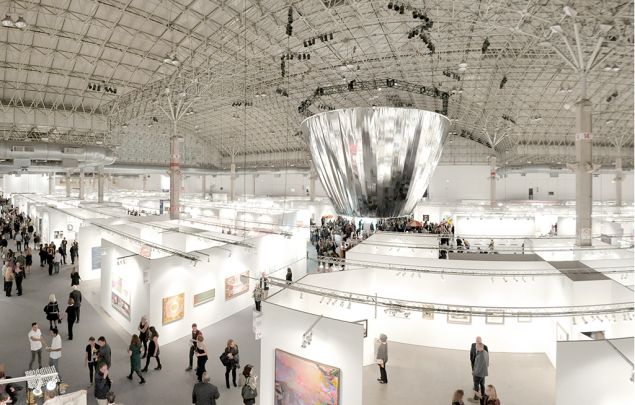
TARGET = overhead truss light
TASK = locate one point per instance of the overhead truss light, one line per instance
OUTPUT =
(171, 59)
(9, 23)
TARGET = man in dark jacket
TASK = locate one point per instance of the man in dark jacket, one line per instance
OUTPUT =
(102, 384)
(473, 355)
(76, 295)
(205, 393)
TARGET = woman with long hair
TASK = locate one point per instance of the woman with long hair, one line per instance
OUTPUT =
(134, 351)
(492, 396)
(249, 384)
(52, 311)
(143, 335)
(457, 398)
(153, 349)
(232, 361)
(28, 259)
(201, 357)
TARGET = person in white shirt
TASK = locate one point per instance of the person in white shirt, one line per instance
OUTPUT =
(57, 259)
(55, 350)
(35, 340)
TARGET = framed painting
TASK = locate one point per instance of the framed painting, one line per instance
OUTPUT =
(236, 285)
(494, 317)
(173, 308)
(303, 381)
(427, 312)
(460, 315)
(204, 297)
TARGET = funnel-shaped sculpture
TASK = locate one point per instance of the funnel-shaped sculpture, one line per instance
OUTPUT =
(375, 162)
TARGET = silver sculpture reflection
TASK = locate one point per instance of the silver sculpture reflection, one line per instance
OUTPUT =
(376, 161)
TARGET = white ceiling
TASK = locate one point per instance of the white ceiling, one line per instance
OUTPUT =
(230, 52)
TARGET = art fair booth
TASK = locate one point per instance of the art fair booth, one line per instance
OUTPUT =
(177, 279)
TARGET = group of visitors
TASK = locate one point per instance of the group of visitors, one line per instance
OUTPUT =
(15, 265)
(54, 257)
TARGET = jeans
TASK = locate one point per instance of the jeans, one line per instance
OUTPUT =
(231, 368)
(56, 363)
(91, 371)
(479, 384)
(148, 362)
(56, 267)
(382, 374)
(191, 355)
(8, 286)
(39, 358)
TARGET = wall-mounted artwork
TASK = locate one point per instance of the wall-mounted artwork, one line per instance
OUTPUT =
(120, 294)
(173, 308)
(58, 234)
(460, 315)
(494, 317)
(204, 297)
(120, 305)
(236, 285)
(95, 257)
(302, 381)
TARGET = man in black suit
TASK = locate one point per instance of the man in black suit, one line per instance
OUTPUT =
(205, 393)
(473, 354)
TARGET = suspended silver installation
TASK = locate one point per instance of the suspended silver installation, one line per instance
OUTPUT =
(375, 161)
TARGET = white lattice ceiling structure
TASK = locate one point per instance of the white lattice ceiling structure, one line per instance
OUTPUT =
(96, 71)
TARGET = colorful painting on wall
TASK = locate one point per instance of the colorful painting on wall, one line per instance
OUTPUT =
(120, 294)
(302, 381)
(173, 308)
(236, 285)
(120, 305)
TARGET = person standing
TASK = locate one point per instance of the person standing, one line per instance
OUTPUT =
(204, 392)
(63, 250)
(258, 294)
(249, 384)
(382, 358)
(143, 335)
(71, 317)
(195, 334)
(481, 363)
(264, 285)
(134, 351)
(35, 340)
(28, 260)
(57, 260)
(104, 354)
(75, 276)
(8, 279)
(52, 311)
(55, 350)
(477, 341)
(76, 295)
(73, 252)
(19, 276)
(102, 384)
(153, 350)
(18, 241)
(457, 398)
(42, 255)
(231, 351)
(201, 357)
(289, 276)
(492, 395)
(91, 357)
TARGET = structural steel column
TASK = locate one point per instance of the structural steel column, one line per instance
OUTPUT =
(204, 186)
(618, 179)
(175, 175)
(312, 178)
(583, 173)
(81, 184)
(232, 181)
(51, 183)
(100, 184)
(144, 182)
(492, 181)
(68, 184)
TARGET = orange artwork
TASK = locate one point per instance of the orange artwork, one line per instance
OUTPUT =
(173, 308)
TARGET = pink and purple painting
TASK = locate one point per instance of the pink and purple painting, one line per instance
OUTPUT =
(301, 381)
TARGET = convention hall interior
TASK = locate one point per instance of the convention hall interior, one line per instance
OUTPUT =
(317, 202)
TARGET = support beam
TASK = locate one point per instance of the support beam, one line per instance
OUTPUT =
(583, 173)
(67, 179)
(144, 182)
(175, 175)
(492, 181)
(312, 178)
(618, 179)
(51, 183)
(81, 184)
(204, 186)
(100, 184)
(232, 182)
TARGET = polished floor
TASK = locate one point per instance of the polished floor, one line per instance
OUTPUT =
(418, 375)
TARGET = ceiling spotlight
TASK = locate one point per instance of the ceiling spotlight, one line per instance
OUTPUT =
(20, 23)
(615, 68)
(167, 59)
(462, 66)
(37, 391)
(7, 21)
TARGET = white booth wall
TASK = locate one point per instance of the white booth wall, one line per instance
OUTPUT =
(90, 252)
(335, 343)
(25, 183)
(592, 372)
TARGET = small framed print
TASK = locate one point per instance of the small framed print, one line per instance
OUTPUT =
(427, 312)
(494, 317)
(364, 323)
(526, 318)
(460, 315)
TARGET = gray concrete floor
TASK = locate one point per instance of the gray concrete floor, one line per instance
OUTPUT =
(417, 375)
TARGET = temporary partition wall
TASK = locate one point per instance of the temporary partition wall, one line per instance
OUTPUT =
(334, 343)
(595, 372)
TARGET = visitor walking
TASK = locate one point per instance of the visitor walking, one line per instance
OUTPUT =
(195, 334)
(102, 384)
(52, 311)
(71, 317)
(201, 357)
(19, 276)
(76, 295)
(57, 260)
(382, 358)
(479, 372)
(7, 272)
(134, 351)
(457, 398)
(249, 384)
(258, 294)
(73, 252)
(231, 352)
(477, 341)
(104, 354)
(55, 350)
(143, 335)
(75, 276)
(28, 260)
(35, 340)
(289, 276)
(153, 349)
(18, 242)
(91, 356)
(204, 392)
(264, 285)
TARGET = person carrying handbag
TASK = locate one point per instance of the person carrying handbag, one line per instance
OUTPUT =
(249, 382)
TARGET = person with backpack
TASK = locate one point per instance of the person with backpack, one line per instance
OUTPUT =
(52, 311)
(249, 383)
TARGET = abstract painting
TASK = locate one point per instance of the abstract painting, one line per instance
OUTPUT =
(205, 296)
(300, 381)
(236, 285)
(173, 308)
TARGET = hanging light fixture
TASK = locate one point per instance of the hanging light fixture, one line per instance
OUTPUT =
(7, 21)
(20, 23)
